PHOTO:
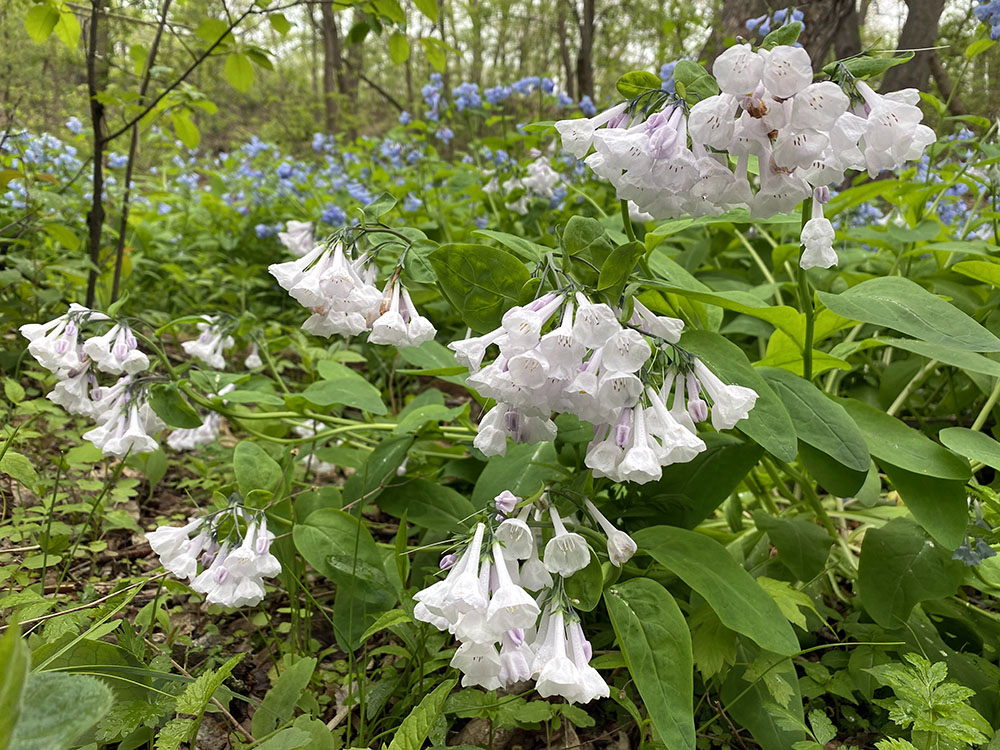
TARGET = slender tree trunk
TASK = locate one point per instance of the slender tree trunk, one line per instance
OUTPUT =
(564, 53)
(825, 21)
(584, 57)
(476, 19)
(919, 31)
(331, 63)
(97, 79)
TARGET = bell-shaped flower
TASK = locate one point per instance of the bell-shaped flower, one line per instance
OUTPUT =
(465, 592)
(515, 535)
(730, 403)
(594, 323)
(678, 444)
(738, 70)
(616, 390)
(523, 324)
(298, 237)
(620, 545)
(787, 71)
(661, 326)
(640, 463)
(471, 350)
(534, 575)
(591, 684)
(479, 664)
(291, 273)
(712, 122)
(191, 438)
(567, 551)
(817, 240)
(578, 134)
(210, 344)
(73, 392)
(491, 439)
(253, 360)
(626, 351)
(390, 327)
(510, 605)
(818, 106)
(515, 658)
(558, 675)
(175, 548)
(116, 352)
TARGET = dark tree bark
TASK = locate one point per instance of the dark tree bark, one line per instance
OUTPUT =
(732, 18)
(331, 65)
(945, 86)
(585, 55)
(564, 54)
(919, 31)
(826, 22)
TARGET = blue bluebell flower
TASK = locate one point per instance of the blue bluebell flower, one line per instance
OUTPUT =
(333, 215)
(565, 100)
(466, 96)
(117, 161)
(444, 134)
(497, 94)
(667, 77)
(74, 125)
(587, 106)
(412, 203)
(405, 118)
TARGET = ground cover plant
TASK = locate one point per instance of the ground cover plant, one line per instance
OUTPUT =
(536, 411)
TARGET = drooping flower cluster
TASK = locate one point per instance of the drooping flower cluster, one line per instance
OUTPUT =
(211, 343)
(588, 364)
(507, 634)
(989, 13)
(340, 293)
(804, 135)
(219, 560)
(124, 418)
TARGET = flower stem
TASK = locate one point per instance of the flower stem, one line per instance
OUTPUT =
(627, 221)
(806, 303)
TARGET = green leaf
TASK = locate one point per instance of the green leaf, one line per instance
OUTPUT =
(866, 66)
(969, 443)
(399, 48)
(342, 385)
(429, 8)
(67, 29)
(903, 305)
(618, 267)
(694, 81)
(341, 549)
(980, 270)
(170, 406)
(960, 358)
(750, 690)
(254, 468)
(978, 47)
(19, 467)
(379, 207)
(413, 731)
(63, 235)
(435, 52)
(289, 738)
(939, 505)
(523, 471)
(584, 587)
(802, 546)
(390, 9)
(427, 504)
(480, 281)
(40, 20)
(212, 29)
(279, 23)
(526, 249)
(386, 620)
(783, 35)
(900, 566)
(239, 71)
(279, 703)
(636, 83)
(378, 470)
(15, 665)
(656, 644)
(688, 493)
(708, 568)
(820, 422)
(57, 708)
(769, 424)
(892, 441)
(185, 130)
(832, 475)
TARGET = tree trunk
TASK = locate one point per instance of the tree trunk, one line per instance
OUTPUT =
(584, 58)
(567, 61)
(731, 22)
(919, 31)
(98, 66)
(476, 19)
(825, 21)
(331, 63)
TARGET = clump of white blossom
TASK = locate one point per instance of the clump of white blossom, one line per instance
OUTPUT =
(565, 353)
(225, 555)
(504, 599)
(122, 412)
(211, 344)
(805, 136)
(339, 290)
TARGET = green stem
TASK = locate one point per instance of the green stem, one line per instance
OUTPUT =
(987, 407)
(627, 221)
(806, 303)
(910, 387)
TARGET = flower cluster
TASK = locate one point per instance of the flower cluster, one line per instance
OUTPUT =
(121, 411)
(763, 25)
(804, 135)
(588, 364)
(340, 293)
(212, 342)
(232, 564)
(507, 634)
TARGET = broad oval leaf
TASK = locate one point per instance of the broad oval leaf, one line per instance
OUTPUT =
(972, 444)
(480, 281)
(768, 424)
(427, 504)
(822, 423)
(939, 505)
(892, 441)
(901, 566)
(57, 708)
(708, 568)
(656, 644)
(254, 468)
(905, 306)
(802, 546)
